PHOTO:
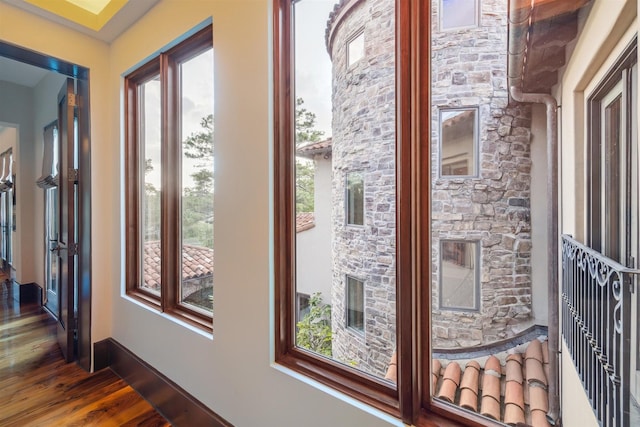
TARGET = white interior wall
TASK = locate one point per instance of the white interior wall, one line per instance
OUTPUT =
(234, 370)
(16, 107)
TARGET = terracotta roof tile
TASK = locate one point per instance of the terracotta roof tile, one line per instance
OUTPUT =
(450, 382)
(514, 368)
(538, 399)
(197, 262)
(392, 372)
(545, 352)
(501, 390)
(514, 394)
(534, 351)
(539, 419)
(436, 366)
(513, 414)
(305, 221)
(310, 149)
(469, 386)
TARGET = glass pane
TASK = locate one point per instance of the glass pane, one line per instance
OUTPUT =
(355, 199)
(345, 175)
(355, 51)
(458, 281)
(484, 250)
(458, 13)
(197, 181)
(52, 227)
(458, 142)
(612, 202)
(355, 304)
(150, 148)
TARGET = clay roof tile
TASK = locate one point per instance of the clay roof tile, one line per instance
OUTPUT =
(539, 419)
(534, 351)
(535, 372)
(490, 407)
(514, 394)
(538, 399)
(513, 414)
(435, 374)
(514, 368)
(450, 382)
(469, 386)
(392, 371)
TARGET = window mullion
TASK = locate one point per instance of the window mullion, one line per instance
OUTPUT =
(171, 250)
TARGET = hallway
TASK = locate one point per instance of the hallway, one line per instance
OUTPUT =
(38, 389)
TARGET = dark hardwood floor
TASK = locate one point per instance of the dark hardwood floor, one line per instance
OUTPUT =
(37, 388)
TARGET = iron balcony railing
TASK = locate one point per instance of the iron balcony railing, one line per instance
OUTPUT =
(596, 327)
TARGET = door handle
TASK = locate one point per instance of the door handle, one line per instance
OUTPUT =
(57, 248)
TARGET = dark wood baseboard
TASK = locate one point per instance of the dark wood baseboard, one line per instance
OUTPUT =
(26, 293)
(171, 400)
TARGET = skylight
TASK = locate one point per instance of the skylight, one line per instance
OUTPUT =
(93, 6)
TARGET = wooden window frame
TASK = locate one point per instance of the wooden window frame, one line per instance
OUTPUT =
(167, 65)
(410, 400)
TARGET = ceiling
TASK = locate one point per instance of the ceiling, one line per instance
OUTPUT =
(102, 19)
(20, 73)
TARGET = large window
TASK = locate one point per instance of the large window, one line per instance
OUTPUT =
(349, 113)
(169, 136)
(447, 262)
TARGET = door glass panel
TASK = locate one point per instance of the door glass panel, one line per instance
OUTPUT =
(345, 177)
(52, 280)
(197, 181)
(611, 153)
(149, 95)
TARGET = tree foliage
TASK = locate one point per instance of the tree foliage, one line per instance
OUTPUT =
(305, 125)
(314, 330)
(197, 201)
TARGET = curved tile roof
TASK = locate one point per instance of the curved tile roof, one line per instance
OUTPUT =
(197, 262)
(511, 392)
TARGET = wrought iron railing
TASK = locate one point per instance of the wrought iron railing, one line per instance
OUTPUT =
(596, 327)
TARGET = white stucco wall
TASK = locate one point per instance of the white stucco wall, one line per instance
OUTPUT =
(313, 246)
(539, 235)
(607, 31)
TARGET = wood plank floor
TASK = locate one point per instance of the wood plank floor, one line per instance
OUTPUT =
(37, 388)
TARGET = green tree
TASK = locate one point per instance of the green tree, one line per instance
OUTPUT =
(199, 145)
(314, 330)
(305, 125)
(197, 201)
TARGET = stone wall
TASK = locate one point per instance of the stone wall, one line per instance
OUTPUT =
(364, 141)
(469, 69)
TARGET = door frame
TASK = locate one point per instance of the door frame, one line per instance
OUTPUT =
(81, 74)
